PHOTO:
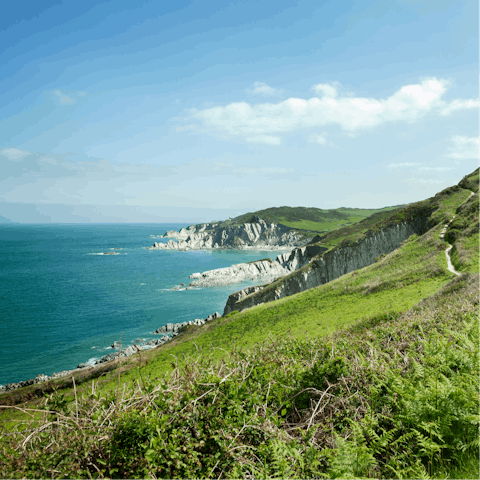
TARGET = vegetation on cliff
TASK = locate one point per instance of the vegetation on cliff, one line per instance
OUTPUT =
(374, 374)
(310, 219)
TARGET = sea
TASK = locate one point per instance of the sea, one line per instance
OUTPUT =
(64, 302)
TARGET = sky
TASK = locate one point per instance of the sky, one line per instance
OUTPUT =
(194, 111)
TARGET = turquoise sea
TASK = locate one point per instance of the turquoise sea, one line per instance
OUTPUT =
(63, 303)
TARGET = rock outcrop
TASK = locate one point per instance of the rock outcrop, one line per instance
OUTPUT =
(254, 235)
(262, 270)
(325, 268)
(184, 233)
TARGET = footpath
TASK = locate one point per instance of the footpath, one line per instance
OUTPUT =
(450, 266)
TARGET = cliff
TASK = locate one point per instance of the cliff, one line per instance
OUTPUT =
(184, 233)
(256, 234)
(327, 267)
(264, 270)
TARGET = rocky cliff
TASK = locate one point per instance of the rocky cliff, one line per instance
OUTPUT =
(262, 270)
(325, 268)
(256, 234)
(184, 233)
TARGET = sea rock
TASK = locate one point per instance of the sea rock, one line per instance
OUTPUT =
(262, 270)
(11, 386)
(169, 331)
(254, 235)
(174, 328)
(83, 365)
(40, 378)
(157, 341)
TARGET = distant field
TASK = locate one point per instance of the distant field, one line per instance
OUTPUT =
(311, 219)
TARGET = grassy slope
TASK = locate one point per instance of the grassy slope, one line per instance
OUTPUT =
(463, 231)
(311, 219)
(394, 284)
(416, 271)
(438, 208)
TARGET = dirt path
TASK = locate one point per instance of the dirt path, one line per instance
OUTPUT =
(450, 266)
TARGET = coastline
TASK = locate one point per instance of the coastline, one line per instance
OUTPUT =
(168, 332)
(131, 349)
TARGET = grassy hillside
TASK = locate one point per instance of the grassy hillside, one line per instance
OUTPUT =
(439, 208)
(311, 219)
(373, 375)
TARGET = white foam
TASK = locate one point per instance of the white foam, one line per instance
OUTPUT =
(102, 253)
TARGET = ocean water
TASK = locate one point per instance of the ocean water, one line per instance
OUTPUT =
(62, 302)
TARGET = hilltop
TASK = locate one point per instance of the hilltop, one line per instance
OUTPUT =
(373, 374)
(269, 229)
(309, 218)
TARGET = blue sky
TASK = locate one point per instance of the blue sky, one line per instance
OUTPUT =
(195, 111)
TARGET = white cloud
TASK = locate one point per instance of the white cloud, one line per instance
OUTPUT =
(463, 147)
(14, 154)
(266, 121)
(261, 88)
(64, 100)
(326, 90)
(460, 105)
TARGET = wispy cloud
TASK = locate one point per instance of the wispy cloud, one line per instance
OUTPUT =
(265, 122)
(326, 89)
(263, 171)
(191, 126)
(321, 139)
(462, 147)
(396, 166)
(14, 154)
(261, 88)
(64, 100)
(268, 139)
(460, 105)
(427, 180)
(416, 166)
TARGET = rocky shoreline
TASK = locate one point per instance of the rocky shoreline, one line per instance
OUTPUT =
(255, 235)
(168, 332)
(262, 270)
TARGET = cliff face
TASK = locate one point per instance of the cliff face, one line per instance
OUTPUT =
(325, 268)
(257, 234)
(263, 270)
(184, 233)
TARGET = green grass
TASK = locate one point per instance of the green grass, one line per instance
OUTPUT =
(394, 395)
(309, 219)
(374, 374)
(463, 234)
(396, 283)
(429, 212)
